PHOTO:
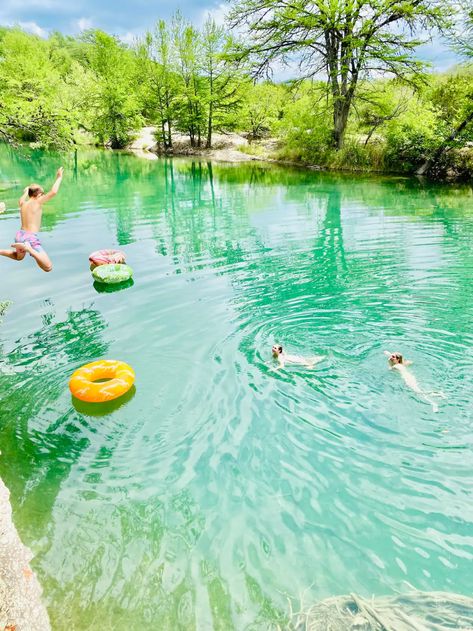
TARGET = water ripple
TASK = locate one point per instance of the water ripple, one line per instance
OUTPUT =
(218, 485)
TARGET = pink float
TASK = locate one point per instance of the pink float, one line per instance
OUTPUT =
(107, 257)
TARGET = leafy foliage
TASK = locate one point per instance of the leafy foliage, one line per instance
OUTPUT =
(35, 105)
(345, 39)
(113, 100)
(66, 90)
(262, 108)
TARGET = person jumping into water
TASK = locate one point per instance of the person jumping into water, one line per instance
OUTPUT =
(31, 211)
(283, 358)
(397, 362)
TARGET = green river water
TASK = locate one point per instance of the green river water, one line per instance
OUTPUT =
(218, 488)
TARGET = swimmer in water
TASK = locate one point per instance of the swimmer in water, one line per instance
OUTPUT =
(283, 358)
(397, 362)
(31, 210)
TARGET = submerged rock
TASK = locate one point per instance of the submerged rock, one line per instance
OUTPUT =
(414, 611)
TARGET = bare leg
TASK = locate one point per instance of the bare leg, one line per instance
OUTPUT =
(13, 254)
(43, 261)
(310, 363)
(41, 258)
(435, 407)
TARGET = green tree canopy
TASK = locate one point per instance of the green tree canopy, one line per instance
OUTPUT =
(113, 98)
(35, 104)
(345, 39)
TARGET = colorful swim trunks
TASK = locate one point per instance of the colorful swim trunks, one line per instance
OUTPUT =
(23, 236)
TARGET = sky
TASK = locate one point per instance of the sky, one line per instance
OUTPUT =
(125, 18)
(131, 18)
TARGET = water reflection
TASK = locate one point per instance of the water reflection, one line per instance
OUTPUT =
(103, 409)
(104, 288)
(219, 485)
(32, 390)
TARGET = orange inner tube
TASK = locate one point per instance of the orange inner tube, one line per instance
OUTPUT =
(120, 378)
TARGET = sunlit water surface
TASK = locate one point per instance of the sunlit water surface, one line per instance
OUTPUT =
(219, 487)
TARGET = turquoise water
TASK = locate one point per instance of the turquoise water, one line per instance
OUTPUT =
(218, 487)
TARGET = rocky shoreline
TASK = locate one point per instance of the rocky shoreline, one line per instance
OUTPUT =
(228, 147)
(21, 607)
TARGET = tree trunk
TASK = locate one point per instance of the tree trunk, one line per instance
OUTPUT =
(210, 119)
(169, 135)
(341, 109)
(168, 119)
(428, 164)
(209, 127)
(371, 132)
(163, 134)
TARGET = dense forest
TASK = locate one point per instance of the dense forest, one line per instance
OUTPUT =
(360, 97)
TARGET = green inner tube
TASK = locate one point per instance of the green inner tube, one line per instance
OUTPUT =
(112, 274)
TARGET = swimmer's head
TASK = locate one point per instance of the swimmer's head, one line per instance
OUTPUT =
(276, 350)
(395, 358)
(35, 190)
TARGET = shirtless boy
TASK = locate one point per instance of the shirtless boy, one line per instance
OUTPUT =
(283, 358)
(397, 362)
(31, 211)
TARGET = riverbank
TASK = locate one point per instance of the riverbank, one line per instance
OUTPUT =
(456, 165)
(228, 147)
(21, 608)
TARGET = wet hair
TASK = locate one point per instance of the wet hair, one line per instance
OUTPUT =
(34, 190)
(279, 347)
(397, 356)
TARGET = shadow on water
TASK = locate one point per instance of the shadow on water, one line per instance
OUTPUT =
(103, 409)
(104, 288)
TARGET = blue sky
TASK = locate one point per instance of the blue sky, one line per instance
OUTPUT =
(131, 18)
(125, 18)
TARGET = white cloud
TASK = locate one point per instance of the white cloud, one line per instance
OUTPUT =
(218, 13)
(32, 27)
(129, 38)
(83, 24)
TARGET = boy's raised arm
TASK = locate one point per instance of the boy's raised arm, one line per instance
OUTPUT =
(54, 188)
(23, 198)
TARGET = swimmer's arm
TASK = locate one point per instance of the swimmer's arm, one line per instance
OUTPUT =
(23, 198)
(55, 187)
(407, 362)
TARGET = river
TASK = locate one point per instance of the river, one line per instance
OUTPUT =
(219, 487)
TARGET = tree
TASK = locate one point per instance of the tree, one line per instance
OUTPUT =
(191, 112)
(346, 39)
(221, 75)
(158, 62)
(113, 101)
(462, 43)
(382, 103)
(262, 108)
(33, 103)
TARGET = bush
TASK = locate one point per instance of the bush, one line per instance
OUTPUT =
(411, 138)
